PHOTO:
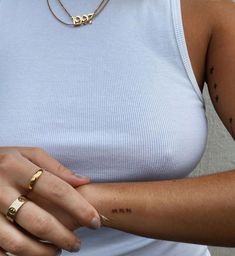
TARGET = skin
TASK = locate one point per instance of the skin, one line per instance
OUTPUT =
(199, 209)
(195, 210)
(17, 166)
(211, 51)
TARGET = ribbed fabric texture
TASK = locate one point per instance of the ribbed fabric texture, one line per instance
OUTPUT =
(116, 100)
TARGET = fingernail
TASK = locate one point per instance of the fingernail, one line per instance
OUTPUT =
(58, 252)
(80, 176)
(95, 223)
(77, 246)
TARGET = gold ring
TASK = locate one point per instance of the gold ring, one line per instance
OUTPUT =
(14, 208)
(34, 179)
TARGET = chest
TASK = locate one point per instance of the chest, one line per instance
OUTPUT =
(112, 100)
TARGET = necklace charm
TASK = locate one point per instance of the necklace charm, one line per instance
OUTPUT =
(82, 20)
(77, 21)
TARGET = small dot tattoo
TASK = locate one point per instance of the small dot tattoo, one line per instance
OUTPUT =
(217, 98)
(215, 85)
(212, 70)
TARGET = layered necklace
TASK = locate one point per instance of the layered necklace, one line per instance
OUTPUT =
(79, 20)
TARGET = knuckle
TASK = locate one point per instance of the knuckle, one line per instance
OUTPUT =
(59, 190)
(41, 225)
(37, 151)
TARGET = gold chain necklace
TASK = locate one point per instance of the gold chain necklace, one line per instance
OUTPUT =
(79, 20)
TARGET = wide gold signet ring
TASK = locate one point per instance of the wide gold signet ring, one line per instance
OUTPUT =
(14, 208)
(35, 178)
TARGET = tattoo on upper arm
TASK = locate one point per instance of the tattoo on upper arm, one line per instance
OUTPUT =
(212, 70)
(231, 122)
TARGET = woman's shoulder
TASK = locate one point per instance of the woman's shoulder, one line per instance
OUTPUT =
(210, 13)
(203, 19)
(198, 30)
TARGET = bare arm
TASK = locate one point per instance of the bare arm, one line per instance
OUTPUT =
(194, 210)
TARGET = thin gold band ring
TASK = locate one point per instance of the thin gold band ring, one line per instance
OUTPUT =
(35, 178)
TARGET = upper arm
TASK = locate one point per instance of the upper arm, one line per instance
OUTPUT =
(220, 64)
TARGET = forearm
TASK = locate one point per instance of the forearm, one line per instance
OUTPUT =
(194, 210)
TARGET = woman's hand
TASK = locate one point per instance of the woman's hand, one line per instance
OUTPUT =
(33, 223)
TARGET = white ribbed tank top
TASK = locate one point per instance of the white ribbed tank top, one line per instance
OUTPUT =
(116, 100)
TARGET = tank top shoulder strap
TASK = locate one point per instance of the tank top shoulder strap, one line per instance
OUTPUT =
(176, 12)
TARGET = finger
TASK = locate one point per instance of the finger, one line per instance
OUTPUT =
(62, 216)
(17, 243)
(62, 194)
(40, 223)
(41, 158)
(54, 189)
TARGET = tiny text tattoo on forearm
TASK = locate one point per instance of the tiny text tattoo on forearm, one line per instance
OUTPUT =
(121, 210)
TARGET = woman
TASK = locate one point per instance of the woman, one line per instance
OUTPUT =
(118, 100)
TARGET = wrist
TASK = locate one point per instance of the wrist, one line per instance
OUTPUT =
(96, 194)
(91, 194)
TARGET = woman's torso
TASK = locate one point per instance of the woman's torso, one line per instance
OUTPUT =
(116, 100)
